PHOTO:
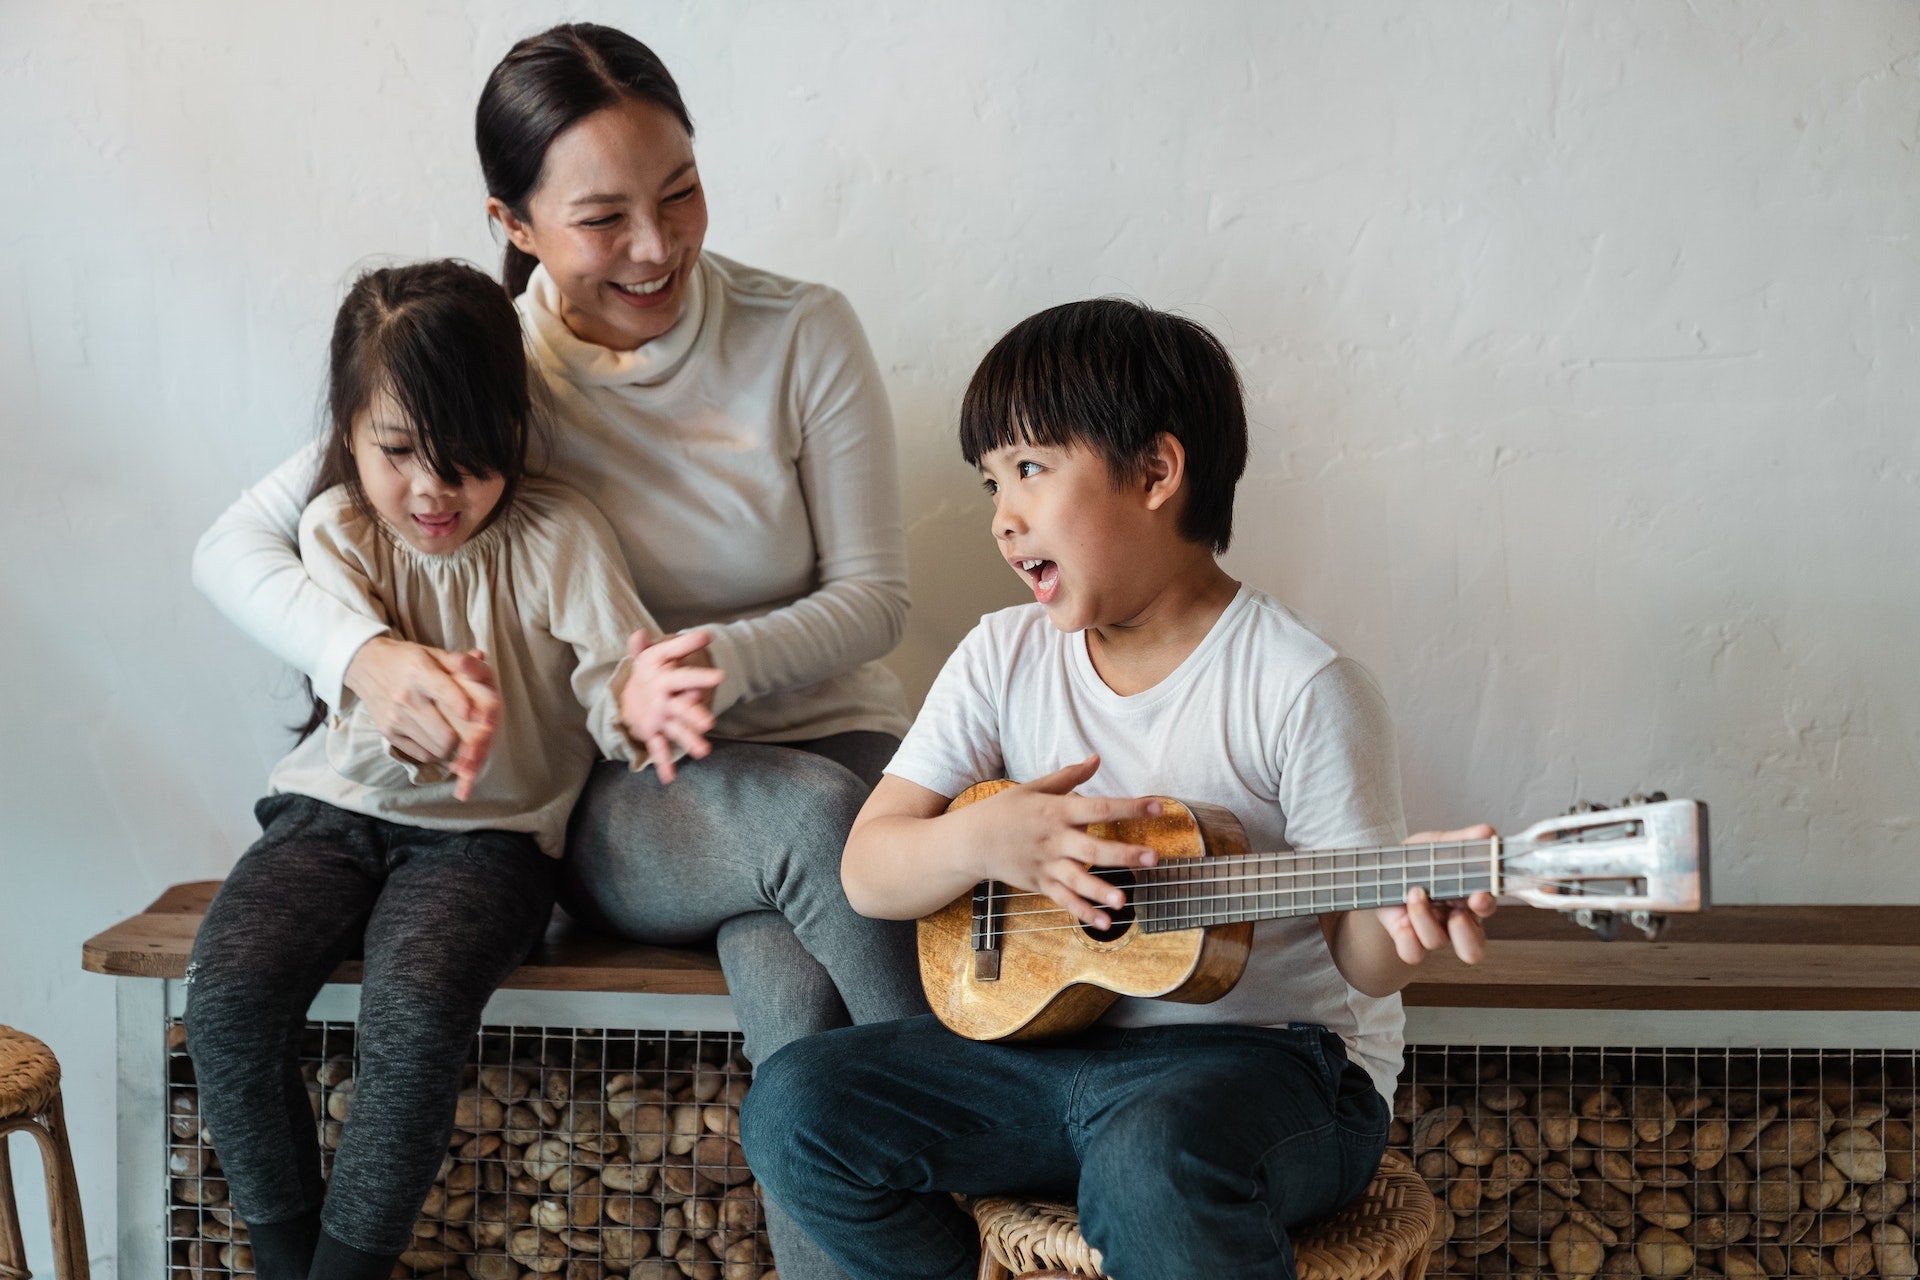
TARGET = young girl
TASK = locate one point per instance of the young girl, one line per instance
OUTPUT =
(424, 519)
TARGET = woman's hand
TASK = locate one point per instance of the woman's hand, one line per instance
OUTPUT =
(1422, 925)
(668, 697)
(430, 704)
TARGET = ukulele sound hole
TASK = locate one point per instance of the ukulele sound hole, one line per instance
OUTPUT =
(1122, 918)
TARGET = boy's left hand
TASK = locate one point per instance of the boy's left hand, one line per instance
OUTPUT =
(1422, 925)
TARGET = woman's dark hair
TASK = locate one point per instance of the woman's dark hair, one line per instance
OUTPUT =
(545, 84)
(1112, 375)
(444, 342)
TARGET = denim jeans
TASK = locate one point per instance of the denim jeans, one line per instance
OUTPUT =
(1192, 1150)
(744, 848)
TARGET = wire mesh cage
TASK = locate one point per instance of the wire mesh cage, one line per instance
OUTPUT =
(1577, 1163)
(576, 1153)
(598, 1154)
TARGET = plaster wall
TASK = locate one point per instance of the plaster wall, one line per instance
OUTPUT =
(1579, 340)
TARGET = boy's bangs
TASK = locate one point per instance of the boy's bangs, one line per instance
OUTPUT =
(1016, 397)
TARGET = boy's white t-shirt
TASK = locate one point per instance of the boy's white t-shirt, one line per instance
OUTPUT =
(1264, 718)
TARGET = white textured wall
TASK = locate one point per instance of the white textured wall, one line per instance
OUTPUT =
(1579, 338)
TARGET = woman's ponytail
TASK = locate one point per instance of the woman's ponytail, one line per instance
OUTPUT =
(516, 269)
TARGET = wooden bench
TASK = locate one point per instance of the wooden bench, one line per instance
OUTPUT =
(157, 942)
(1763, 957)
(1834, 977)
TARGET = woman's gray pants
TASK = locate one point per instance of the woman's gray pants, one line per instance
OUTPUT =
(744, 847)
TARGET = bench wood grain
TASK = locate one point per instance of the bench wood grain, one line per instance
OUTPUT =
(1752, 957)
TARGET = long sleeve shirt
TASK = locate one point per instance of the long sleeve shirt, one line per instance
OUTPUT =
(745, 462)
(542, 591)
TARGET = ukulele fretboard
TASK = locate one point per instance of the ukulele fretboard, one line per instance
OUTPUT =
(1191, 893)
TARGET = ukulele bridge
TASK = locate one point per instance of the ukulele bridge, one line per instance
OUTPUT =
(986, 931)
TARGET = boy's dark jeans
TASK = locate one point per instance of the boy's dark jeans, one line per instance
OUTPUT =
(1192, 1149)
(443, 917)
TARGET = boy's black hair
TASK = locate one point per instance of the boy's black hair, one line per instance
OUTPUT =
(1111, 375)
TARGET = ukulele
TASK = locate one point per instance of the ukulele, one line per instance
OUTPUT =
(1007, 964)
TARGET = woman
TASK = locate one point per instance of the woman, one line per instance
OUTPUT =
(732, 426)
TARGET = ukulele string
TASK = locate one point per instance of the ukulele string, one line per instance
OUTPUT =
(1413, 855)
(1518, 881)
(1437, 869)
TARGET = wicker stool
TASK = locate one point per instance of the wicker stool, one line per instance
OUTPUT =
(1382, 1235)
(30, 1100)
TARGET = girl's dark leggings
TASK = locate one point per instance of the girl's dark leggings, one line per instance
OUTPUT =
(442, 918)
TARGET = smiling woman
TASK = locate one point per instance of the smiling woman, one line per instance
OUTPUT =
(611, 205)
(732, 426)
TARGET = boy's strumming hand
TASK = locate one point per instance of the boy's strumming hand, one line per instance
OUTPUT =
(1421, 925)
(668, 697)
(1033, 836)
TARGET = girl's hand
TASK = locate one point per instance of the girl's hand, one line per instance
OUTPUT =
(1034, 837)
(668, 697)
(1422, 925)
(476, 738)
(429, 704)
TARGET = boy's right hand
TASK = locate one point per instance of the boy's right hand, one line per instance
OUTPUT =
(1033, 836)
(429, 704)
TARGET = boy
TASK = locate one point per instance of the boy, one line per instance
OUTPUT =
(1110, 438)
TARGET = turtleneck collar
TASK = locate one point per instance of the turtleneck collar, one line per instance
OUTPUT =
(648, 364)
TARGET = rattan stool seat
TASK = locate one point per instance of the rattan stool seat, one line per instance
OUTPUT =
(29, 1075)
(1384, 1234)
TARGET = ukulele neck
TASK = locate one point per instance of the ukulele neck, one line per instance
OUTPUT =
(1194, 893)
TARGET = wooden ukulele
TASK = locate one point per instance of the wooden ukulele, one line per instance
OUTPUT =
(1005, 964)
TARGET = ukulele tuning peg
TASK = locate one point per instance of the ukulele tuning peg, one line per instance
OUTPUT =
(1605, 924)
(1643, 797)
(1648, 923)
(1585, 806)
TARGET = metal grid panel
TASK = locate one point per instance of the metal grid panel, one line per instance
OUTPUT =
(590, 1153)
(576, 1152)
(1572, 1163)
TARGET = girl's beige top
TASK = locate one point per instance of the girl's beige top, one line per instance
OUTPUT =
(544, 593)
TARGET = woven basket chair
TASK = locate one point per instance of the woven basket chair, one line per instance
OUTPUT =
(1384, 1234)
(30, 1100)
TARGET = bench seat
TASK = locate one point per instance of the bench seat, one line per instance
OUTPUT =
(1746, 957)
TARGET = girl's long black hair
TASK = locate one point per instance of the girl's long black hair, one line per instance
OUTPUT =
(444, 343)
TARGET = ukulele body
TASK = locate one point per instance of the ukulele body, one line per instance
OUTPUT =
(1054, 975)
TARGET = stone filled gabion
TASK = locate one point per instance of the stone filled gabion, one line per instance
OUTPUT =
(1664, 1163)
(590, 1155)
(578, 1155)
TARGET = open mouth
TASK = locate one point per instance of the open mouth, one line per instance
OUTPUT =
(1042, 575)
(437, 525)
(646, 290)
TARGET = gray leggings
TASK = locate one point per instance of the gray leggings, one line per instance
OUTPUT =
(744, 847)
(444, 917)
